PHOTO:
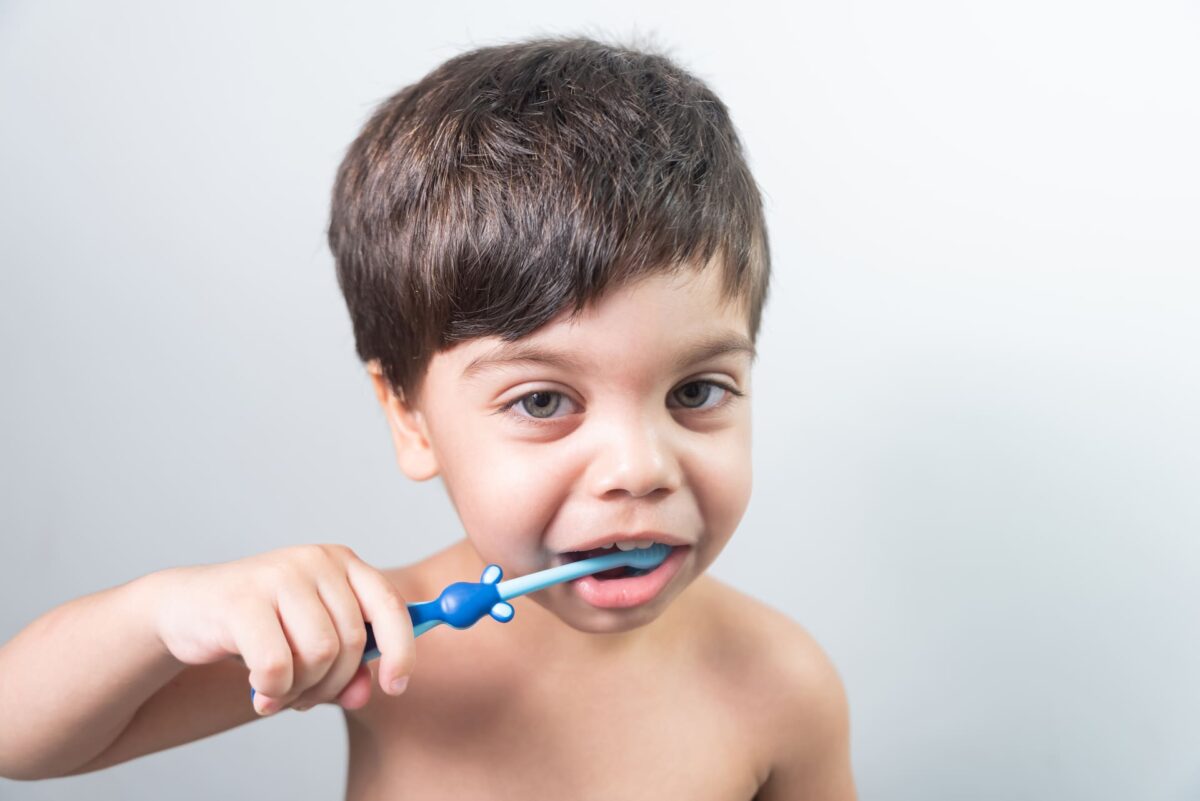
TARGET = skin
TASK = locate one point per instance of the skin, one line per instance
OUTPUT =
(620, 450)
(603, 705)
(701, 692)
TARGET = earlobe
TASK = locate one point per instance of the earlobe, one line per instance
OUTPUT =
(410, 435)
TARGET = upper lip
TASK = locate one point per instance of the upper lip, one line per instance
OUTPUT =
(627, 536)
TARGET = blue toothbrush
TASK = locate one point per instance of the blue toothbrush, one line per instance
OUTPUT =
(464, 603)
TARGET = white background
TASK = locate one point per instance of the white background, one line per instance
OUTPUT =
(976, 429)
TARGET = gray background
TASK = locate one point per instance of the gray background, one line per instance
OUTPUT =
(975, 411)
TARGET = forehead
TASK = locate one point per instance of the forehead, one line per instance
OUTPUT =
(661, 322)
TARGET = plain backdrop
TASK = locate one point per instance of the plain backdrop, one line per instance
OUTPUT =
(976, 434)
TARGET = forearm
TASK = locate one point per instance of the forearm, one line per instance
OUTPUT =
(73, 679)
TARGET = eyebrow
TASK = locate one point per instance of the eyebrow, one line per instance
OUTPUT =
(527, 353)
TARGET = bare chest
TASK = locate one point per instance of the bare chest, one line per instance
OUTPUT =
(561, 736)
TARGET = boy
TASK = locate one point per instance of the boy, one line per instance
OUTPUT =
(555, 261)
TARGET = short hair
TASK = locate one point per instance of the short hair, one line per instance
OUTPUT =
(516, 180)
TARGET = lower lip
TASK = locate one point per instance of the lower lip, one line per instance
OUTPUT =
(624, 593)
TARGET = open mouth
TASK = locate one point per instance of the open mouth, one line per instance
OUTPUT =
(624, 587)
(624, 571)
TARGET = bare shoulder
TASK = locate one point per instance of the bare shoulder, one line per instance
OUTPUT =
(779, 652)
(791, 688)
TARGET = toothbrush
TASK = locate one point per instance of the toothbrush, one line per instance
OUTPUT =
(464, 603)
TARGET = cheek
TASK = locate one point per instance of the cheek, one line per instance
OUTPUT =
(725, 485)
(505, 496)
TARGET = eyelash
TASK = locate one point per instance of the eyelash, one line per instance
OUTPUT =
(506, 409)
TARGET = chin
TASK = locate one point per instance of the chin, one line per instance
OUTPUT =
(607, 621)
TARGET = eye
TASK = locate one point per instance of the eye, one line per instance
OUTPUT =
(539, 405)
(694, 394)
(697, 396)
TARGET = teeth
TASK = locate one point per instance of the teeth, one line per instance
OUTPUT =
(630, 545)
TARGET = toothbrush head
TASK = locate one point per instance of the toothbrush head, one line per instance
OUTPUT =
(639, 560)
(647, 558)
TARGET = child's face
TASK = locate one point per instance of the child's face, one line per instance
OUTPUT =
(627, 441)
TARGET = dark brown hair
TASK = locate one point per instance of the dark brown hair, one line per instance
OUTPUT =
(516, 180)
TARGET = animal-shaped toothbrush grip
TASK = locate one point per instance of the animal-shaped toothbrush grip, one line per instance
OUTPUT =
(461, 605)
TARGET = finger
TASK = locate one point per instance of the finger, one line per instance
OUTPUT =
(264, 648)
(358, 691)
(356, 694)
(343, 608)
(311, 634)
(387, 613)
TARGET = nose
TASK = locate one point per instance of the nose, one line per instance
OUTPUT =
(636, 458)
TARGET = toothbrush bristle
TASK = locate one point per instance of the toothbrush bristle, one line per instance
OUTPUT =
(646, 558)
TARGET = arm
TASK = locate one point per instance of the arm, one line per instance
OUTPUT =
(76, 676)
(812, 730)
(105, 678)
(201, 701)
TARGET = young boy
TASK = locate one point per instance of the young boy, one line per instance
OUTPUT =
(555, 261)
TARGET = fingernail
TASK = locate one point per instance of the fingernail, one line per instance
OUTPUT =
(266, 707)
(399, 684)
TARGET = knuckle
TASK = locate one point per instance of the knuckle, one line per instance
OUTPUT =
(322, 650)
(343, 552)
(356, 639)
(393, 602)
(275, 666)
(312, 554)
(402, 659)
(273, 671)
(405, 661)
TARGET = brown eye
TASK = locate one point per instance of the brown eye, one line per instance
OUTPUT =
(694, 394)
(541, 404)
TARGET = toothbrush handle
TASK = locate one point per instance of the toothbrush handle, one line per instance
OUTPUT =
(421, 621)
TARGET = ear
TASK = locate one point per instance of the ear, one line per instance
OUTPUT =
(410, 434)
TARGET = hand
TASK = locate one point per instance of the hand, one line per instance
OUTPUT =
(296, 617)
